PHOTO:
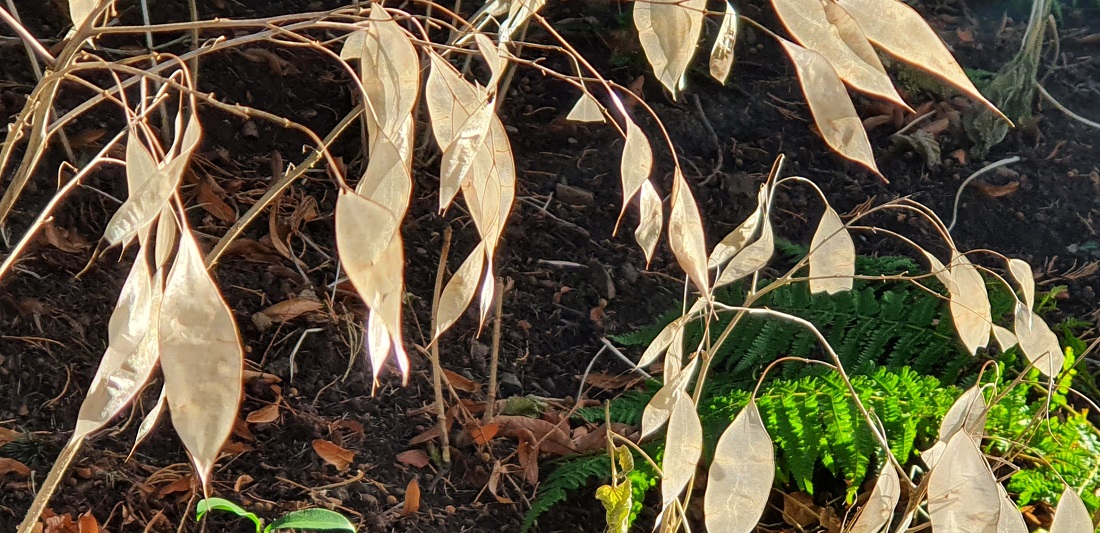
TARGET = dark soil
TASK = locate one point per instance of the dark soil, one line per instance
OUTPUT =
(53, 324)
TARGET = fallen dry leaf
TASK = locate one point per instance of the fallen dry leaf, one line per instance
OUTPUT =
(242, 481)
(264, 415)
(415, 458)
(212, 203)
(240, 430)
(606, 381)
(58, 524)
(596, 439)
(553, 438)
(799, 510)
(997, 191)
(494, 484)
(236, 448)
(11, 466)
(183, 484)
(65, 239)
(427, 435)
(8, 435)
(288, 310)
(460, 382)
(252, 250)
(332, 454)
(483, 434)
(412, 498)
(250, 375)
(529, 457)
(87, 523)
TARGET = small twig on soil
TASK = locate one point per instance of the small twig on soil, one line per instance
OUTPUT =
(706, 122)
(983, 170)
(65, 389)
(913, 123)
(560, 220)
(297, 346)
(1065, 109)
(634, 366)
(433, 354)
(498, 299)
(587, 370)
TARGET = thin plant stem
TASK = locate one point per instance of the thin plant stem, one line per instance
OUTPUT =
(437, 369)
(498, 299)
(32, 44)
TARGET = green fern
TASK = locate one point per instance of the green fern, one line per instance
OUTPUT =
(569, 475)
(572, 474)
(891, 323)
(893, 338)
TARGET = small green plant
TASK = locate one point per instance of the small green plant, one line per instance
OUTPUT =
(314, 519)
(907, 370)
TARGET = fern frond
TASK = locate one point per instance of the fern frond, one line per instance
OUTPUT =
(569, 475)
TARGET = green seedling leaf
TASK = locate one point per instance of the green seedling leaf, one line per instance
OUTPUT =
(220, 504)
(320, 519)
(616, 501)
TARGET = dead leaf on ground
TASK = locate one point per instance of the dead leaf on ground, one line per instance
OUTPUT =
(332, 454)
(415, 458)
(528, 453)
(264, 415)
(412, 498)
(460, 382)
(241, 431)
(252, 250)
(494, 484)
(8, 435)
(242, 481)
(250, 375)
(596, 439)
(427, 435)
(554, 439)
(11, 466)
(483, 434)
(997, 191)
(799, 510)
(606, 381)
(183, 484)
(288, 310)
(232, 448)
(87, 523)
(212, 203)
(65, 239)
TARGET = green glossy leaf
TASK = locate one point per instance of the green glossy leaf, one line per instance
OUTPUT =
(321, 519)
(220, 504)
